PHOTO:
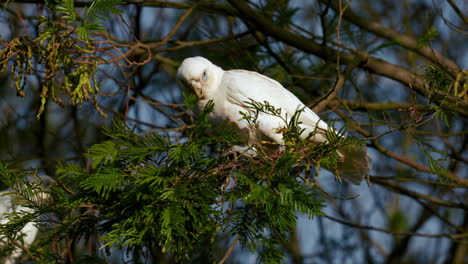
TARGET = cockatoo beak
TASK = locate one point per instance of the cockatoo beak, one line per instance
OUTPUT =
(197, 86)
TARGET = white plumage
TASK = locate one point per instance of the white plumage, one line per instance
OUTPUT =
(28, 232)
(231, 91)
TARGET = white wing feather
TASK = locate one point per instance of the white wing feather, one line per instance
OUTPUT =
(243, 86)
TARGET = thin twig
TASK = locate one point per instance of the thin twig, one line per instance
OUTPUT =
(458, 11)
(393, 232)
(229, 251)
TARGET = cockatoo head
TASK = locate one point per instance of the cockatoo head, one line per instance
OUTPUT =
(200, 75)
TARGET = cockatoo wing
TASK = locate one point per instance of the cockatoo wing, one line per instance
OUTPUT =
(243, 86)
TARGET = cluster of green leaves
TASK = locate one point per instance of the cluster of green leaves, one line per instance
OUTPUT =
(439, 80)
(143, 192)
(148, 192)
(429, 35)
(54, 55)
(436, 164)
(92, 18)
(63, 60)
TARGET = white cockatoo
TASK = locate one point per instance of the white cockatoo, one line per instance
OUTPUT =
(231, 91)
(30, 230)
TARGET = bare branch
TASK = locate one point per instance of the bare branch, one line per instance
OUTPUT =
(404, 40)
(229, 251)
(370, 63)
(458, 11)
(413, 194)
(393, 232)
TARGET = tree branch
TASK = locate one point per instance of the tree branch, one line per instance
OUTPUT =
(458, 11)
(367, 62)
(229, 251)
(403, 40)
(402, 159)
(452, 236)
(372, 106)
(399, 189)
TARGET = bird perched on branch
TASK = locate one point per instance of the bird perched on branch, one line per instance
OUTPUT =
(234, 92)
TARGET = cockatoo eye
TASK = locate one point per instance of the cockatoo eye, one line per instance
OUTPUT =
(205, 76)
